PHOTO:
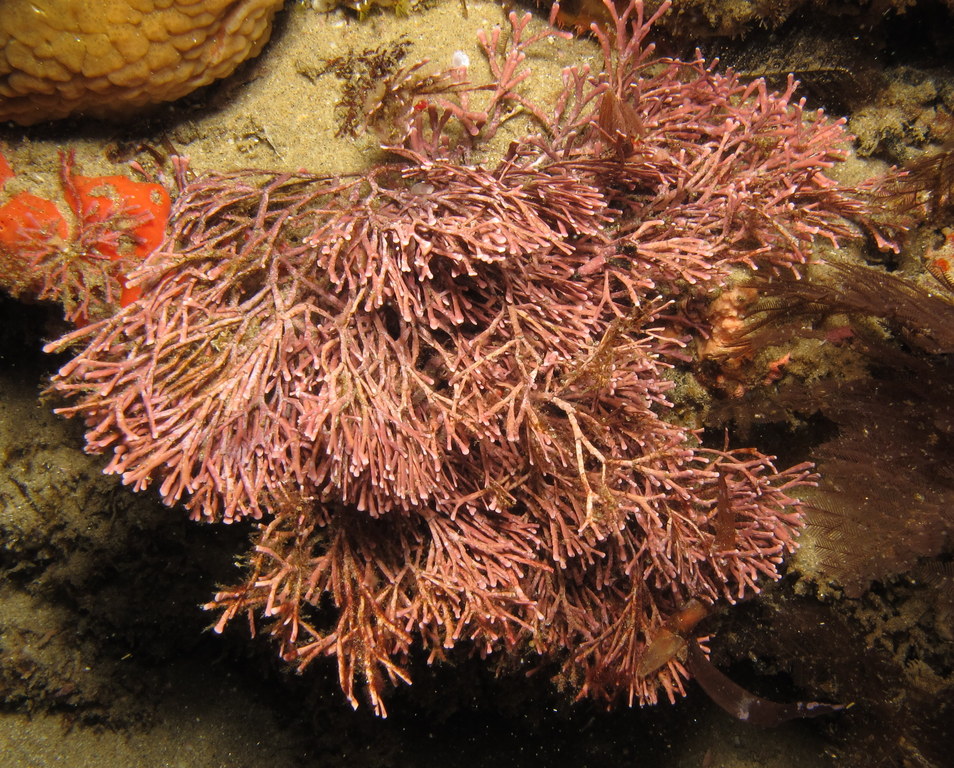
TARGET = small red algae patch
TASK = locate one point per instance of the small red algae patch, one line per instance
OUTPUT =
(26, 217)
(80, 260)
(99, 199)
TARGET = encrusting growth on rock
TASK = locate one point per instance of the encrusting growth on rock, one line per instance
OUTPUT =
(442, 388)
(80, 260)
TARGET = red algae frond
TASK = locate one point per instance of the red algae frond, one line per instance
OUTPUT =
(80, 260)
(442, 388)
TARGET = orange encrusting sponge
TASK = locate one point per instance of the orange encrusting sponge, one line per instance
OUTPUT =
(81, 260)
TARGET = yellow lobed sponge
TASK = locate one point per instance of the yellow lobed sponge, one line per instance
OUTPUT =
(65, 57)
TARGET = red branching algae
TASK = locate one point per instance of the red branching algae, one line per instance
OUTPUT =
(81, 261)
(442, 388)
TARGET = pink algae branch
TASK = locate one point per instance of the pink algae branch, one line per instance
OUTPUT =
(80, 259)
(441, 388)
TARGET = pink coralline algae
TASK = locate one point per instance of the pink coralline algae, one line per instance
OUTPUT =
(442, 388)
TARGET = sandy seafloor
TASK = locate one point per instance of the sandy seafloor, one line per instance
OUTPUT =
(105, 657)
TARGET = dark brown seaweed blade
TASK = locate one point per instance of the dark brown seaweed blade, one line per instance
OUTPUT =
(742, 704)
